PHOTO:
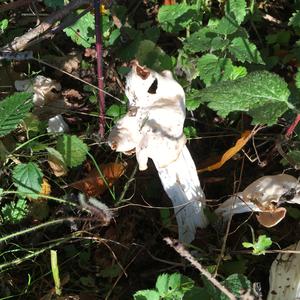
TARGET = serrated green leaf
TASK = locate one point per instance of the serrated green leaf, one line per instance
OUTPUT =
(259, 246)
(243, 50)
(174, 18)
(238, 284)
(200, 40)
(257, 90)
(146, 295)
(28, 179)
(14, 212)
(237, 8)
(72, 149)
(193, 100)
(82, 32)
(12, 111)
(213, 69)
(227, 25)
(295, 20)
(190, 132)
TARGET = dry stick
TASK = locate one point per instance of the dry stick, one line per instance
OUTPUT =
(20, 43)
(99, 50)
(179, 248)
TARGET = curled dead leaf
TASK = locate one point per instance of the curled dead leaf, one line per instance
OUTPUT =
(93, 185)
(240, 143)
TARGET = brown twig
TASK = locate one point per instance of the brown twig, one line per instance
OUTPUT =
(179, 248)
(99, 50)
(20, 43)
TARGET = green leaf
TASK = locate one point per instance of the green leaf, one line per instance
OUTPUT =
(227, 25)
(292, 157)
(82, 32)
(237, 8)
(116, 111)
(28, 179)
(146, 295)
(297, 79)
(14, 212)
(243, 50)
(263, 95)
(174, 18)
(54, 3)
(190, 132)
(162, 284)
(213, 69)
(259, 246)
(295, 20)
(3, 25)
(193, 100)
(12, 111)
(200, 40)
(237, 72)
(72, 149)
(238, 284)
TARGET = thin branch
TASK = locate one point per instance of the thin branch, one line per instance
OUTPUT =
(179, 248)
(99, 50)
(20, 43)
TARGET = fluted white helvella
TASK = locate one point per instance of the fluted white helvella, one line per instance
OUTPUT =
(153, 128)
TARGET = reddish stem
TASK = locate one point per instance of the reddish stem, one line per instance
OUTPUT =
(291, 129)
(99, 50)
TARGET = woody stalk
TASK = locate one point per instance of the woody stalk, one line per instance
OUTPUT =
(153, 128)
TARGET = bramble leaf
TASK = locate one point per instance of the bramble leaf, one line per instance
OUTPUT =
(13, 109)
(72, 149)
(243, 50)
(146, 295)
(237, 8)
(28, 179)
(263, 95)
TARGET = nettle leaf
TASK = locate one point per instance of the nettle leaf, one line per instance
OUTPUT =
(263, 95)
(14, 212)
(13, 109)
(28, 179)
(72, 149)
(237, 8)
(227, 25)
(193, 100)
(200, 40)
(213, 69)
(146, 295)
(82, 32)
(243, 50)
(295, 20)
(174, 18)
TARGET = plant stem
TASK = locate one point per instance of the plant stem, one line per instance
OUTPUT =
(99, 50)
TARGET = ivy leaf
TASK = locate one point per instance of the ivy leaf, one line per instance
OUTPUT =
(82, 32)
(72, 149)
(237, 8)
(146, 295)
(28, 179)
(295, 20)
(261, 94)
(213, 69)
(14, 212)
(244, 50)
(13, 110)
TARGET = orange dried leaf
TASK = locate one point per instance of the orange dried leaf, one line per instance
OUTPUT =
(240, 143)
(94, 185)
(45, 191)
